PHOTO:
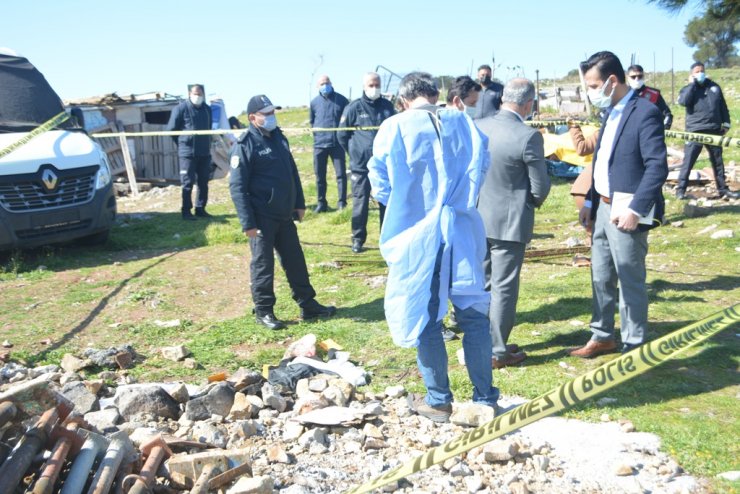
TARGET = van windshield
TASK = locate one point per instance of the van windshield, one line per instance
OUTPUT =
(26, 98)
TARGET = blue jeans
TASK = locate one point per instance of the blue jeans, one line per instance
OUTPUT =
(431, 354)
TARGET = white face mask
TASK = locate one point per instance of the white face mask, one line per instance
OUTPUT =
(196, 99)
(372, 93)
(598, 98)
(469, 110)
(636, 83)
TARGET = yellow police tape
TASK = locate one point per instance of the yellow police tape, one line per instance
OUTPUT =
(44, 127)
(575, 391)
(711, 140)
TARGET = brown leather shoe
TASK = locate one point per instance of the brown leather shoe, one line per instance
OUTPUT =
(594, 348)
(510, 360)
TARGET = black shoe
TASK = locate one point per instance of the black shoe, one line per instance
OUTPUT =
(626, 347)
(681, 195)
(268, 320)
(188, 216)
(449, 335)
(357, 246)
(321, 208)
(202, 213)
(728, 194)
(313, 310)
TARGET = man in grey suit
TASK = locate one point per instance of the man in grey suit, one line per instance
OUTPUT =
(516, 184)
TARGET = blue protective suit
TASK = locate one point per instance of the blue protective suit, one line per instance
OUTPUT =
(428, 171)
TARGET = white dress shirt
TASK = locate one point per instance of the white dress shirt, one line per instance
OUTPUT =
(604, 153)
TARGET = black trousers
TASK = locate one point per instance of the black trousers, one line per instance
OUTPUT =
(361, 188)
(691, 151)
(194, 169)
(320, 160)
(280, 236)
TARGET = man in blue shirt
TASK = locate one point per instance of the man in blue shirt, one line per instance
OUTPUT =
(326, 110)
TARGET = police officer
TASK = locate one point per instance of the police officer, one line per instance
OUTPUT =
(368, 111)
(267, 193)
(193, 151)
(706, 113)
(636, 80)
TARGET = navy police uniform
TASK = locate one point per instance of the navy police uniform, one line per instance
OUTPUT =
(193, 151)
(325, 112)
(706, 113)
(266, 190)
(362, 112)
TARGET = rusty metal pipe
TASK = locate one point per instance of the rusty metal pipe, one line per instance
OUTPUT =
(94, 446)
(33, 441)
(120, 446)
(155, 450)
(4, 452)
(229, 476)
(67, 438)
(7, 412)
(201, 486)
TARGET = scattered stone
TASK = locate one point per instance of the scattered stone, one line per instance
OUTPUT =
(677, 224)
(175, 353)
(276, 454)
(84, 401)
(218, 401)
(104, 420)
(370, 430)
(335, 396)
(241, 408)
(605, 401)
(374, 443)
(173, 323)
(180, 393)
(124, 360)
(500, 450)
(70, 363)
(7, 344)
(245, 428)
(243, 378)
(41, 370)
(682, 485)
(209, 433)
(723, 234)
(316, 435)
(133, 400)
(707, 229)
(110, 358)
(541, 463)
(518, 488)
(190, 363)
(627, 426)
(395, 391)
(732, 476)
(474, 483)
(605, 417)
(292, 431)
(471, 414)
(252, 485)
(623, 470)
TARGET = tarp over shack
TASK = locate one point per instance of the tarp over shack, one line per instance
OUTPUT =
(153, 157)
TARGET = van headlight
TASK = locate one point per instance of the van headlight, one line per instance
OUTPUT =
(104, 175)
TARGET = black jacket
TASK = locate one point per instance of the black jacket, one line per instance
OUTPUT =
(653, 95)
(264, 178)
(489, 101)
(187, 116)
(325, 112)
(362, 112)
(706, 108)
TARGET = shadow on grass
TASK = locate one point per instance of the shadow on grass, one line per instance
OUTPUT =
(561, 310)
(709, 211)
(721, 282)
(368, 312)
(98, 309)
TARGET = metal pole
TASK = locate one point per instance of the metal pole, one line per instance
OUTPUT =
(537, 85)
(53, 466)
(120, 446)
(156, 450)
(80, 470)
(673, 81)
(7, 412)
(14, 468)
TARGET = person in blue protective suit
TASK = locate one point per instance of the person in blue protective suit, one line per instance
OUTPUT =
(427, 168)
(325, 111)
(193, 151)
(267, 195)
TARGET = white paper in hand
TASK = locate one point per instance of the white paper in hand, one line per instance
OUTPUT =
(621, 203)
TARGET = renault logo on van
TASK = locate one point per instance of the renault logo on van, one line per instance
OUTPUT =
(49, 179)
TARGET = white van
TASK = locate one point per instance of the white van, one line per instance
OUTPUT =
(56, 187)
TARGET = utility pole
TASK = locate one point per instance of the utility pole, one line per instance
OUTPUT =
(673, 81)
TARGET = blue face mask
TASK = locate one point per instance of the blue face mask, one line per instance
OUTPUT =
(700, 77)
(270, 123)
(326, 89)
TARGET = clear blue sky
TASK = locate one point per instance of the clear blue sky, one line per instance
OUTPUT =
(241, 48)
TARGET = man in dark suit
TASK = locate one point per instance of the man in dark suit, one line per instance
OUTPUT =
(624, 202)
(516, 183)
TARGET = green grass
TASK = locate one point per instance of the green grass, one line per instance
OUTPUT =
(690, 402)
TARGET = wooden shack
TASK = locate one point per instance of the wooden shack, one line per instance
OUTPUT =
(153, 157)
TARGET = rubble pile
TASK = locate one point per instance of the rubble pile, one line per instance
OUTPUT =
(64, 431)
